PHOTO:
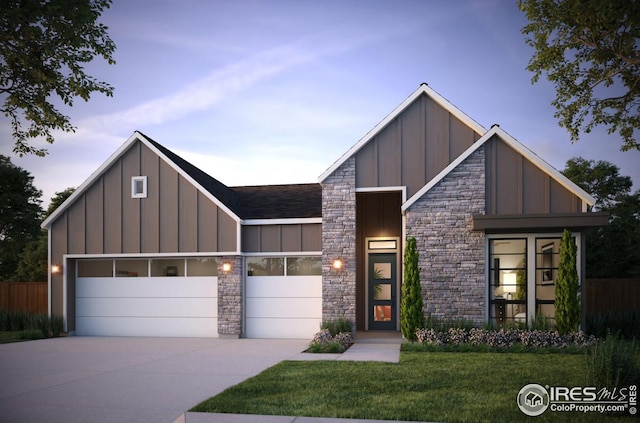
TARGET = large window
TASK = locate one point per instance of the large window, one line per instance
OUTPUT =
(136, 268)
(508, 281)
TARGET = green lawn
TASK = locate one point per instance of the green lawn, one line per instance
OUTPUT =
(442, 386)
(7, 337)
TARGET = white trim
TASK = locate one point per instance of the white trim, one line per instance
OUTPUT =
(293, 221)
(386, 189)
(49, 273)
(64, 294)
(520, 148)
(134, 191)
(422, 89)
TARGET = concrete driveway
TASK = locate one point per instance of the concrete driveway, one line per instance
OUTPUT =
(89, 379)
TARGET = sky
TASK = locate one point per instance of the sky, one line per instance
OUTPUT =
(273, 92)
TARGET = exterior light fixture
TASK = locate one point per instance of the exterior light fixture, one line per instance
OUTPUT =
(337, 264)
(56, 268)
(226, 267)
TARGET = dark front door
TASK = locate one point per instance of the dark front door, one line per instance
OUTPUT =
(382, 291)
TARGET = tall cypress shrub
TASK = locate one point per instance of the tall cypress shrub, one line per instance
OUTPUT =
(411, 314)
(567, 285)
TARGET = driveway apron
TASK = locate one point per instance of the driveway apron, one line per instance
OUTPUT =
(96, 379)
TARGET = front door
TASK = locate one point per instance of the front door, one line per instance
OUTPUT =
(382, 291)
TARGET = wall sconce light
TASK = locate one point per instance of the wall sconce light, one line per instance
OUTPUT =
(226, 267)
(337, 264)
(56, 268)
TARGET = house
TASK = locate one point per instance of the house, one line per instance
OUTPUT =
(150, 245)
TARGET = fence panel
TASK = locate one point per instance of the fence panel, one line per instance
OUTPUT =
(603, 295)
(24, 296)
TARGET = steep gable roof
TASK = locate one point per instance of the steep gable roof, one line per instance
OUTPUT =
(423, 89)
(254, 202)
(520, 148)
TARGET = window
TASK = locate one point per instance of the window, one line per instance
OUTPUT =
(265, 266)
(508, 277)
(167, 267)
(132, 268)
(95, 268)
(207, 266)
(547, 261)
(304, 266)
(138, 187)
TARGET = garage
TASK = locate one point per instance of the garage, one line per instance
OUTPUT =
(283, 297)
(173, 297)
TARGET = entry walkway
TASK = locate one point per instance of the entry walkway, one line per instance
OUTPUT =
(368, 346)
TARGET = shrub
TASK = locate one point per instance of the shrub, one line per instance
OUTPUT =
(567, 286)
(503, 339)
(612, 363)
(336, 326)
(12, 320)
(411, 314)
(324, 342)
(625, 324)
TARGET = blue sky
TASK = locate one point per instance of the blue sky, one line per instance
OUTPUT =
(266, 92)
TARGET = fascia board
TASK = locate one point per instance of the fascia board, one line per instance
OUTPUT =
(423, 89)
(291, 221)
(95, 175)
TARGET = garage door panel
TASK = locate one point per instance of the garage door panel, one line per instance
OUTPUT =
(145, 287)
(286, 286)
(147, 307)
(141, 326)
(284, 307)
(282, 328)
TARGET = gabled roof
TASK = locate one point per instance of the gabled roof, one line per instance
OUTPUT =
(520, 148)
(253, 202)
(423, 89)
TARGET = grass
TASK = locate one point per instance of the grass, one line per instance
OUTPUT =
(443, 386)
(7, 337)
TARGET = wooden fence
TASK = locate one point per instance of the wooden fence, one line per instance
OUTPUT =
(24, 296)
(603, 295)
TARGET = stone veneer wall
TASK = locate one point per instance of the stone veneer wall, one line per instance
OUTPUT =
(339, 242)
(452, 256)
(230, 297)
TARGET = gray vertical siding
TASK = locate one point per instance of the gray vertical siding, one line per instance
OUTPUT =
(282, 238)
(517, 186)
(413, 148)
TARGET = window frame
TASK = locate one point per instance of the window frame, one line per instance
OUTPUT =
(134, 187)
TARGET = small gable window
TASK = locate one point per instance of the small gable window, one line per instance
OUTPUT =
(138, 187)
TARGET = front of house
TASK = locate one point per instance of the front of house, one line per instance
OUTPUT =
(150, 245)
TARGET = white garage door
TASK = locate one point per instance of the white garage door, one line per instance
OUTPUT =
(171, 306)
(283, 306)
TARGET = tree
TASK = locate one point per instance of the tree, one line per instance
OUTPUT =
(567, 302)
(612, 251)
(411, 314)
(20, 214)
(32, 266)
(44, 45)
(589, 51)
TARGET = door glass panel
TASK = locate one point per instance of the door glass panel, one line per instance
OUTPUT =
(382, 271)
(382, 313)
(382, 291)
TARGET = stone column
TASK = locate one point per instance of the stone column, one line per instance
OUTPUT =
(339, 243)
(230, 297)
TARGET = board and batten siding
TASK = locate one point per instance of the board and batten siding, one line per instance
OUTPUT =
(514, 185)
(282, 238)
(413, 148)
(105, 219)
